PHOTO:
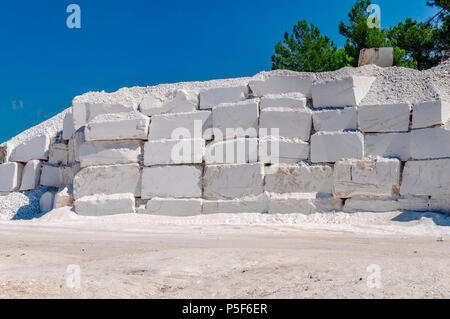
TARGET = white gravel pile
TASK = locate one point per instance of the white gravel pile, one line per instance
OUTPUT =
(21, 205)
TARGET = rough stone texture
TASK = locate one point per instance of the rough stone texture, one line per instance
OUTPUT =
(334, 146)
(232, 181)
(31, 175)
(236, 151)
(85, 112)
(101, 204)
(366, 178)
(3, 153)
(35, 148)
(181, 125)
(300, 178)
(277, 84)
(117, 126)
(109, 152)
(282, 150)
(440, 204)
(215, 96)
(174, 207)
(303, 203)
(117, 179)
(51, 176)
(335, 120)
(181, 102)
(384, 118)
(291, 123)
(418, 204)
(388, 145)
(431, 143)
(430, 113)
(242, 115)
(46, 202)
(68, 126)
(172, 181)
(164, 152)
(426, 178)
(64, 197)
(10, 176)
(58, 154)
(74, 145)
(383, 57)
(68, 173)
(79, 115)
(348, 91)
(256, 204)
(295, 101)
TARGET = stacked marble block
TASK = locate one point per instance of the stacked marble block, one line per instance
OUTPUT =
(42, 161)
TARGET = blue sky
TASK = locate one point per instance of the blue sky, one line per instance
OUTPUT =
(44, 64)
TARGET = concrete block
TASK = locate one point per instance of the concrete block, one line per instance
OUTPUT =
(431, 143)
(215, 96)
(95, 109)
(383, 57)
(174, 207)
(295, 101)
(430, 113)
(3, 153)
(282, 150)
(51, 176)
(109, 152)
(417, 204)
(35, 148)
(117, 126)
(46, 202)
(236, 119)
(303, 203)
(10, 176)
(441, 205)
(68, 129)
(366, 178)
(181, 126)
(388, 145)
(58, 154)
(236, 151)
(291, 123)
(232, 181)
(255, 204)
(75, 143)
(117, 179)
(426, 178)
(335, 120)
(79, 115)
(101, 204)
(31, 175)
(64, 197)
(301, 178)
(334, 146)
(182, 101)
(384, 118)
(277, 84)
(348, 91)
(165, 152)
(68, 173)
(172, 181)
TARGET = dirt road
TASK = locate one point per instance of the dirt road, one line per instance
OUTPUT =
(147, 260)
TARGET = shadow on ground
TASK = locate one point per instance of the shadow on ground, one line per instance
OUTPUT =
(438, 218)
(32, 210)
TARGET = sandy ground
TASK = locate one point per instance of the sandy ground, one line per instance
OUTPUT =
(226, 257)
